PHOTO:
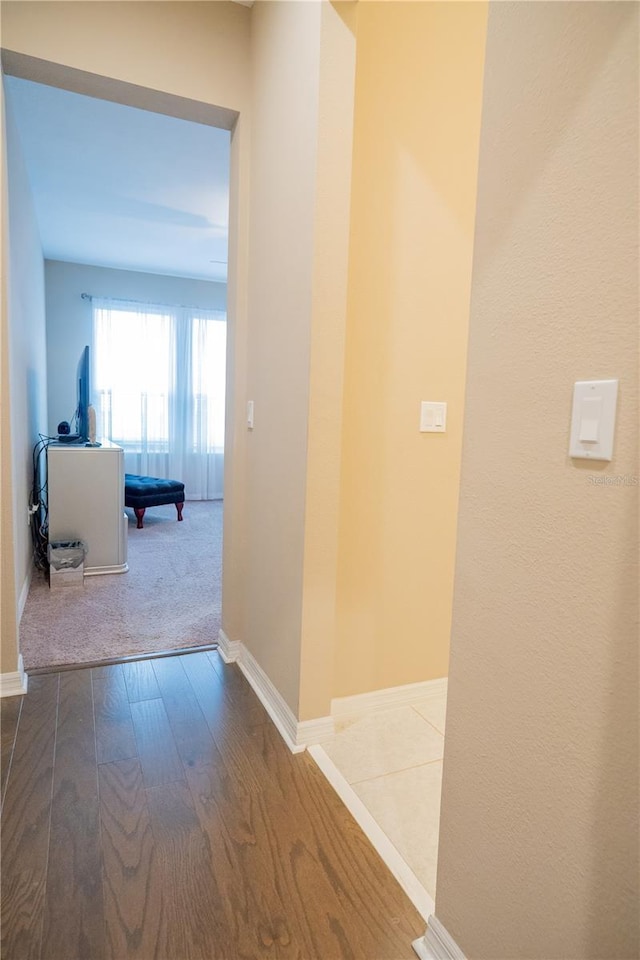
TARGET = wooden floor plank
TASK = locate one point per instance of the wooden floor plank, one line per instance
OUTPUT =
(191, 733)
(75, 753)
(74, 922)
(22, 914)
(133, 894)
(318, 846)
(238, 690)
(104, 671)
(115, 739)
(156, 747)
(228, 729)
(26, 821)
(9, 716)
(74, 907)
(194, 909)
(140, 680)
(26, 814)
(216, 842)
(259, 923)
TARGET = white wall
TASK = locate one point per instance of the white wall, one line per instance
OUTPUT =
(70, 322)
(538, 852)
(27, 351)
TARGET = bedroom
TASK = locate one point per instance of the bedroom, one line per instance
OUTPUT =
(131, 206)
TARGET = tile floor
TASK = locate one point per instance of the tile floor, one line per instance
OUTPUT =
(393, 762)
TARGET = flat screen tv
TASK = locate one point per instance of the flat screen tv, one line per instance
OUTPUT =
(84, 395)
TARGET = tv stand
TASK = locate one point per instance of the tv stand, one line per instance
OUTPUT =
(86, 502)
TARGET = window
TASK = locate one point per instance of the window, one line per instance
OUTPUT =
(159, 388)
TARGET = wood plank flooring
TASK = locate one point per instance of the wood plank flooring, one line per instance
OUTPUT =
(152, 811)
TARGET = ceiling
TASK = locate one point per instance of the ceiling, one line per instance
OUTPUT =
(115, 186)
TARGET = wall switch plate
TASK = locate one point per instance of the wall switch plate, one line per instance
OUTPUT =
(593, 419)
(249, 414)
(433, 417)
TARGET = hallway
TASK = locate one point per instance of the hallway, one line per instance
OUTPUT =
(151, 810)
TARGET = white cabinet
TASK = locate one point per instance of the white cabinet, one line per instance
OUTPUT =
(86, 502)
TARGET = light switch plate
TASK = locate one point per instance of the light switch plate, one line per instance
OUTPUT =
(593, 419)
(249, 414)
(433, 416)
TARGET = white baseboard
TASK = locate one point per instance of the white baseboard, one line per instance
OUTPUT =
(271, 699)
(299, 734)
(295, 733)
(437, 943)
(405, 876)
(229, 650)
(101, 571)
(365, 703)
(14, 684)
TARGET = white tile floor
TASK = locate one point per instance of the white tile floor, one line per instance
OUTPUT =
(392, 760)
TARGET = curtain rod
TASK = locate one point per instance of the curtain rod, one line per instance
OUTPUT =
(152, 303)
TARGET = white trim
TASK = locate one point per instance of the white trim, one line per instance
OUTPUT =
(14, 684)
(271, 699)
(99, 571)
(313, 732)
(420, 898)
(437, 943)
(229, 650)
(296, 734)
(387, 699)
(24, 593)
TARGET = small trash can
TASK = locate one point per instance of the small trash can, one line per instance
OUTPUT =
(66, 563)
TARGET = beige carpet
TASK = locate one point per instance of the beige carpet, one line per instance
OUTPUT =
(169, 598)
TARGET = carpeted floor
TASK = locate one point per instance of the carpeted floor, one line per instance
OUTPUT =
(169, 598)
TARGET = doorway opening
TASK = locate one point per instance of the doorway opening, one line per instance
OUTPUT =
(146, 228)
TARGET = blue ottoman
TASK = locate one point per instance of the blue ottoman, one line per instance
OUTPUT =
(143, 492)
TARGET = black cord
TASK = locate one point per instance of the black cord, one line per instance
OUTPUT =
(38, 504)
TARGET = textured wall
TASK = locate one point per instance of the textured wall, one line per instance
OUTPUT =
(416, 135)
(8, 606)
(27, 349)
(328, 325)
(302, 94)
(285, 58)
(539, 834)
(190, 49)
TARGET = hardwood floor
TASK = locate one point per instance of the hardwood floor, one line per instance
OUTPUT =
(152, 811)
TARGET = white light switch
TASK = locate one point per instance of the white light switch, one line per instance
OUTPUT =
(433, 417)
(590, 414)
(249, 414)
(593, 419)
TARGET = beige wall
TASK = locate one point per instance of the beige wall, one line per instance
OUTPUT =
(27, 371)
(302, 94)
(334, 540)
(539, 830)
(285, 57)
(8, 605)
(189, 49)
(332, 209)
(417, 124)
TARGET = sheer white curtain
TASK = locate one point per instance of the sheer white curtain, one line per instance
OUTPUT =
(159, 388)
